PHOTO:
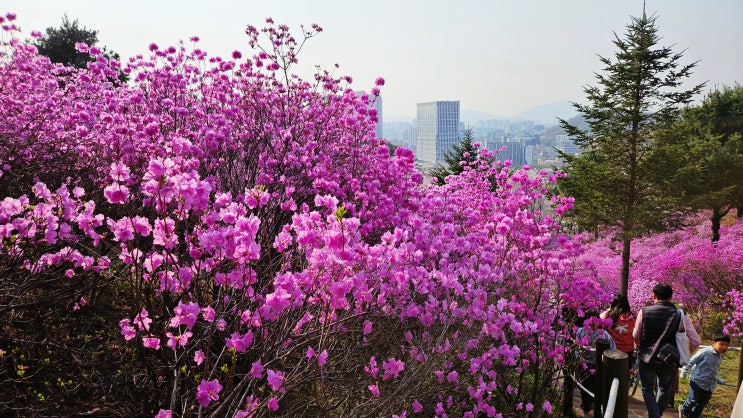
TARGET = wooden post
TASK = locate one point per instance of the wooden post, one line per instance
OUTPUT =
(616, 365)
(599, 400)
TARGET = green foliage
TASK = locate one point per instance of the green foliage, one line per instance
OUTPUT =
(707, 147)
(613, 179)
(58, 44)
(463, 151)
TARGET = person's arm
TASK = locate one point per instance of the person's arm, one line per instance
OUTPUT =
(612, 344)
(696, 358)
(691, 332)
(637, 331)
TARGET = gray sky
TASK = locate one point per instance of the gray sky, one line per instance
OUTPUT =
(496, 56)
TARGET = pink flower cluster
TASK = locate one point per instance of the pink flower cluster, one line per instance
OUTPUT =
(260, 221)
(705, 276)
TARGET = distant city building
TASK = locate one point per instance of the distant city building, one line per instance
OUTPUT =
(565, 144)
(529, 151)
(379, 128)
(401, 134)
(514, 151)
(437, 129)
(377, 105)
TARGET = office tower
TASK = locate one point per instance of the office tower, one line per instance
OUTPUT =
(514, 151)
(376, 103)
(378, 106)
(437, 130)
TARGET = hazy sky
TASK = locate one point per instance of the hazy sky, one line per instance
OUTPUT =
(496, 56)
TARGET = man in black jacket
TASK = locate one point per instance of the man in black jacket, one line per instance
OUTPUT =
(655, 325)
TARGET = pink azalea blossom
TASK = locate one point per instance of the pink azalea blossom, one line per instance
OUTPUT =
(417, 407)
(275, 379)
(116, 193)
(199, 357)
(322, 358)
(208, 391)
(256, 370)
(164, 413)
(273, 404)
(151, 342)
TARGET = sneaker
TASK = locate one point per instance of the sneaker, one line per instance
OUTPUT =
(681, 412)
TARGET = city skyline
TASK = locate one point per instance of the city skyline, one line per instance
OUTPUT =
(497, 56)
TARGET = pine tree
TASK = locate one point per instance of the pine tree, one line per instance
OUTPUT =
(638, 94)
(463, 151)
(707, 147)
(58, 44)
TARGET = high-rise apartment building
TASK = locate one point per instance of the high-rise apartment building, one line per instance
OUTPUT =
(437, 129)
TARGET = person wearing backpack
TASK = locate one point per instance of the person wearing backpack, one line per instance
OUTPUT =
(655, 326)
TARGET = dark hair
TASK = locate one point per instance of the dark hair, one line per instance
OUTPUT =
(588, 314)
(663, 291)
(719, 336)
(619, 305)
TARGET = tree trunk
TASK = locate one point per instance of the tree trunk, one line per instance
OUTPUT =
(626, 247)
(717, 215)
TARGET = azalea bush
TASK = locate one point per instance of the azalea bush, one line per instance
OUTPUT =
(706, 276)
(265, 253)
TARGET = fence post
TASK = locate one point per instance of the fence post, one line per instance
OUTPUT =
(567, 394)
(598, 390)
(616, 365)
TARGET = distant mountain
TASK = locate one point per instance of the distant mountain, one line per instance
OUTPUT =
(548, 113)
(472, 116)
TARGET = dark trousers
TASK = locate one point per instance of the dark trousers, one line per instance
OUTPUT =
(695, 402)
(587, 380)
(656, 403)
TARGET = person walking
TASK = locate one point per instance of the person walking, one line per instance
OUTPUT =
(655, 325)
(587, 335)
(704, 366)
(622, 325)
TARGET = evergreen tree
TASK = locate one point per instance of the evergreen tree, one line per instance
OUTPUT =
(58, 44)
(638, 94)
(463, 151)
(707, 146)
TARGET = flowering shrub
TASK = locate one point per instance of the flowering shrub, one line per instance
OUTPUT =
(705, 276)
(274, 257)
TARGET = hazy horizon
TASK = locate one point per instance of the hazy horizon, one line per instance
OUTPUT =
(495, 56)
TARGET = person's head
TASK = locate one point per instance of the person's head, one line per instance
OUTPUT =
(662, 291)
(720, 342)
(591, 318)
(620, 303)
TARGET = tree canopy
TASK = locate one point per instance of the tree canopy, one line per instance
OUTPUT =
(465, 150)
(707, 147)
(638, 93)
(59, 45)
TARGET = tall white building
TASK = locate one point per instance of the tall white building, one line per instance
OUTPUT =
(377, 105)
(437, 130)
